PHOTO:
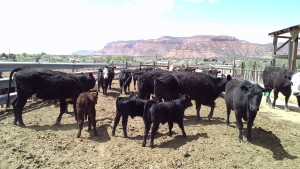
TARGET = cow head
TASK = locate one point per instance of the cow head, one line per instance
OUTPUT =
(296, 84)
(255, 92)
(95, 96)
(186, 100)
(105, 73)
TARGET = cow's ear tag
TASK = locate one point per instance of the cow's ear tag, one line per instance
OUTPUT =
(244, 91)
(267, 93)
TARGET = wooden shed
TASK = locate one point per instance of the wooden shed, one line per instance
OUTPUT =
(292, 42)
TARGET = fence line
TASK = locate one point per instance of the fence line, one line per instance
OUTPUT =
(85, 68)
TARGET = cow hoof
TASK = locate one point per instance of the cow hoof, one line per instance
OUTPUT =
(125, 136)
(240, 140)
(198, 118)
(185, 136)
(152, 146)
(209, 117)
(144, 145)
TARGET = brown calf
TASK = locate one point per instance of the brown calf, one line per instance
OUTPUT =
(85, 106)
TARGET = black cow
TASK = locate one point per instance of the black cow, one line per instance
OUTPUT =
(212, 72)
(46, 85)
(162, 112)
(202, 88)
(244, 98)
(146, 83)
(105, 78)
(137, 72)
(167, 87)
(127, 106)
(125, 80)
(279, 79)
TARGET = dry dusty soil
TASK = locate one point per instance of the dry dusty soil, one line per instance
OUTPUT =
(210, 144)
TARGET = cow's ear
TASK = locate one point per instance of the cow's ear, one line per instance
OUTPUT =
(244, 89)
(229, 77)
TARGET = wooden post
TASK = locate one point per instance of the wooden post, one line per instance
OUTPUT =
(168, 64)
(275, 44)
(290, 65)
(154, 65)
(273, 62)
(295, 38)
(126, 64)
(140, 65)
(233, 71)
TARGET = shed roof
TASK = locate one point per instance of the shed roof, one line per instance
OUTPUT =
(286, 30)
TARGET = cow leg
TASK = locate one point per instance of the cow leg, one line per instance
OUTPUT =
(268, 100)
(249, 126)
(74, 108)
(146, 132)
(94, 126)
(89, 123)
(286, 107)
(153, 133)
(124, 124)
(18, 108)
(15, 113)
(80, 125)
(134, 83)
(63, 108)
(239, 126)
(116, 122)
(180, 124)
(228, 115)
(298, 100)
(170, 128)
(212, 107)
(275, 98)
(198, 107)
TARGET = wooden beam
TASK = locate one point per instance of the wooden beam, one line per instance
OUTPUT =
(283, 56)
(286, 30)
(294, 34)
(283, 45)
(287, 37)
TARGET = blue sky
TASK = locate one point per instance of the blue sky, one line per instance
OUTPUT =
(65, 26)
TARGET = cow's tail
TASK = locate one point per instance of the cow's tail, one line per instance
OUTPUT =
(9, 86)
(118, 105)
(86, 110)
(127, 80)
(146, 109)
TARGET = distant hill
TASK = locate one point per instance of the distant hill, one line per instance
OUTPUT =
(200, 46)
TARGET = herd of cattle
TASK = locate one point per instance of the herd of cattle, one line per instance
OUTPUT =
(172, 92)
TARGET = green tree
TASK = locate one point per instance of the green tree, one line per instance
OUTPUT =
(3, 55)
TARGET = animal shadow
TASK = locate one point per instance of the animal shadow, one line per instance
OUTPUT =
(268, 140)
(103, 135)
(192, 120)
(179, 141)
(54, 127)
(292, 108)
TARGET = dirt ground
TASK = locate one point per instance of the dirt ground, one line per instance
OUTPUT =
(210, 144)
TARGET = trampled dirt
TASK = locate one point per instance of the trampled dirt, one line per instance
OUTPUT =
(210, 144)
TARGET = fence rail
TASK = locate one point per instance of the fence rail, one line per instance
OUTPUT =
(85, 68)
